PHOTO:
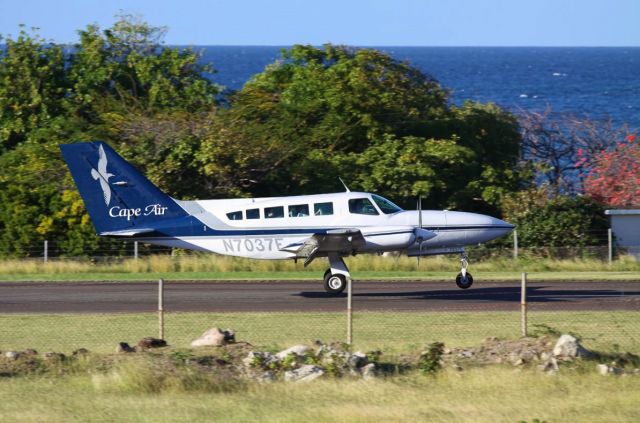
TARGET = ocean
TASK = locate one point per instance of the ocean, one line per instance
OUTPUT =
(597, 83)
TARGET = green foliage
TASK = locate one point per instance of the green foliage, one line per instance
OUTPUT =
(311, 116)
(430, 360)
(32, 87)
(120, 85)
(319, 113)
(564, 221)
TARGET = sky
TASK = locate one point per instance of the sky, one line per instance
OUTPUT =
(352, 22)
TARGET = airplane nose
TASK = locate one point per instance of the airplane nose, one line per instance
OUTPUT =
(500, 227)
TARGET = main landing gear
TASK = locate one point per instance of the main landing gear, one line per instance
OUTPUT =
(336, 277)
(464, 279)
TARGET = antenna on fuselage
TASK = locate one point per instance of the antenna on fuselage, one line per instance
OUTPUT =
(344, 185)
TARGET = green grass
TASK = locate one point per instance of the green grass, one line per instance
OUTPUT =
(393, 332)
(497, 394)
(363, 267)
(500, 393)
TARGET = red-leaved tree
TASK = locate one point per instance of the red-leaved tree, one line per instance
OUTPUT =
(612, 177)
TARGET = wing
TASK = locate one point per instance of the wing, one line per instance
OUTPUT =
(338, 240)
(106, 190)
(102, 162)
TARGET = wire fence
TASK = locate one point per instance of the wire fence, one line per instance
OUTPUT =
(107, 250)
(388, 317)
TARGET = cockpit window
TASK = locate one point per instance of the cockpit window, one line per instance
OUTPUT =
(362, 206)
(385, 205)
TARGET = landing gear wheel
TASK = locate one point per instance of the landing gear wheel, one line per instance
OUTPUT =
(334, 284)
(465, 281)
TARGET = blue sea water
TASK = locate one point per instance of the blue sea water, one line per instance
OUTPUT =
(598, 83)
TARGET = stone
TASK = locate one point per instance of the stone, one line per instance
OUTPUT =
(123, 347)
(368, 371)
(569, 347)
(616, 370)
(550, 365)
(357, 360)
(12, 355)
(149, 342)
(466, 354)
(53, 356)
(296, 349)
(304, 374)
(519, 362)
(215, 337)
(79, 352)
(30, 352)
(602, 369)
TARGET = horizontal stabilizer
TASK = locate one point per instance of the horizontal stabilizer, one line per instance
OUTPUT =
(127, 232)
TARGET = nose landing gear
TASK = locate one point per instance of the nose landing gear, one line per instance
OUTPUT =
(464, 279)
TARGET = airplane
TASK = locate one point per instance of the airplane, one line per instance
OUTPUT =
(122, 203)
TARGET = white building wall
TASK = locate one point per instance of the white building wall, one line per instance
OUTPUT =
(625, 225)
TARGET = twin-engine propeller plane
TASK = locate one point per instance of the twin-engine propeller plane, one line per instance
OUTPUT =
(123, 203)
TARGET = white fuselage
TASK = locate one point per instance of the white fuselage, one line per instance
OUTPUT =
(265, 228)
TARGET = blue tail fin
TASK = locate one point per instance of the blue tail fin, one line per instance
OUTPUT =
(119, 199)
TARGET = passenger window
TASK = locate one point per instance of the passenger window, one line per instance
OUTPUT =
(299, 210)
(253, 214)
(322, 209)
(362, 206)
(273, 212)
(236, 215)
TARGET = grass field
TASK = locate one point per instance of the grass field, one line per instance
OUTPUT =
(499, 393)
(496, 394)
(212, 267)
(392, 332)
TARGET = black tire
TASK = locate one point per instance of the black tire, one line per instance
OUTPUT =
(464, 282)
(334, 284)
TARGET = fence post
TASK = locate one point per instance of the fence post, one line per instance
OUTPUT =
(515, 243)
(610, 244)
(161, 308)
(523, 304)
(135, 250)
(349, 313)
(46, 251)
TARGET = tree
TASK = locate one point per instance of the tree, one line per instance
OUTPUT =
(555, 142)
(316, 114)
(612, 177)
(32, 87)
(557, 222)
(120, 85)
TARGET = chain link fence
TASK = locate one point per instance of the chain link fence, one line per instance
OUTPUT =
(392, 317)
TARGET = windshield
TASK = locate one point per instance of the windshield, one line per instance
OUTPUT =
(385, 205)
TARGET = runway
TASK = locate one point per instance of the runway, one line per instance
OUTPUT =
(284, 296)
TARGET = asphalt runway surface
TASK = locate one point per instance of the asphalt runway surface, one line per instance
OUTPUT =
(283, 296)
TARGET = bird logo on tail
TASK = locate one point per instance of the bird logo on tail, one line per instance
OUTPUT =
(103, 176)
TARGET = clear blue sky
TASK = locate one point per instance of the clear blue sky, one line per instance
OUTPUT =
(354, 22)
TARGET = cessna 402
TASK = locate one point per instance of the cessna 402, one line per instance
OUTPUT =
(123, 203)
